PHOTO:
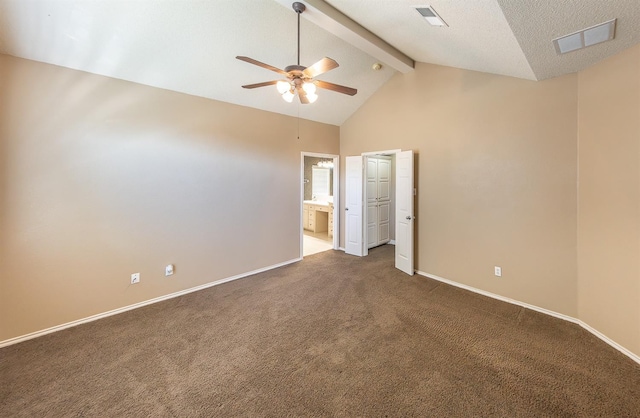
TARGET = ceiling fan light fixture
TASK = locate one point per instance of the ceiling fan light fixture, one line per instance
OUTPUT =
(312, 97)
(283, 86)
(309, 88)
(288, 96)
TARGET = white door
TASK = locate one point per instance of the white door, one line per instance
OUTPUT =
(372, 225)
(404, 211)
(384, 199)
(384, 179)
(372, 201)
(372, 180)
(378, 191)
(383, 230)
(353, 207)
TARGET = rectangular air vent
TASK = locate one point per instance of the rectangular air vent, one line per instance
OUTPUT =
(586, 37)
(431, 16)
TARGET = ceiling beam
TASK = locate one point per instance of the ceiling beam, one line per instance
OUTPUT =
(335, 22)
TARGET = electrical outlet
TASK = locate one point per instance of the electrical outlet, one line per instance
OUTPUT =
(168, 271)
(498, 271)
(135, 278)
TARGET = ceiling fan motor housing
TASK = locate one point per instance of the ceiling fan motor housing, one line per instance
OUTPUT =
(295, 69)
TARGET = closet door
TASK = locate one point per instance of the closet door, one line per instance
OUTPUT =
(372, 180)
(378, 200)
(384, 180)
(372, 201)
(384, 211)
(384, 200)
(372, 224)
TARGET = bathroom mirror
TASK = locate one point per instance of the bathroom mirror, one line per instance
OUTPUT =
(320, 183)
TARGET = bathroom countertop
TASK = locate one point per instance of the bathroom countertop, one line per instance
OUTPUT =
(318, 202)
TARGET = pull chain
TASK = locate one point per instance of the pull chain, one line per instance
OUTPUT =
(298, 122)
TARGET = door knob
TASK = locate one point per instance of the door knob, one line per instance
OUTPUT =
(346, 208)
(408, 218)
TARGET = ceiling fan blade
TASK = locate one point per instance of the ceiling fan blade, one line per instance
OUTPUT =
(320, 67)
(335, 87)
(266, 83)
(262, 64)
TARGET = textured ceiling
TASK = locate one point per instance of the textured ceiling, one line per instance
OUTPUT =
(190, 45)
(536, 23)
(478, 36)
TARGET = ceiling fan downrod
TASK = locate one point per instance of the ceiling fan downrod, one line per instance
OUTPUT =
(298, 8)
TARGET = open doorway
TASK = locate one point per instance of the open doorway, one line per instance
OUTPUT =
(319, 197)
(379, 199)
(361, 195)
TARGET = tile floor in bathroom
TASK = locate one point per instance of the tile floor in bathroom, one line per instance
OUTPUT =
(315, 242)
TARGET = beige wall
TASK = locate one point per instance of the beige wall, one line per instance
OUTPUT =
(101, 178)
(609, 198)
(496, 176)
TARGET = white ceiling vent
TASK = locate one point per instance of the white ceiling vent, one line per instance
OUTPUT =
(430, 15)
(586, 37)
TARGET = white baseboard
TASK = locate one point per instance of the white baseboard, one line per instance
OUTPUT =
(342, 249)
(92, 318)
(584, 325)
(56, 328)
(392, 242)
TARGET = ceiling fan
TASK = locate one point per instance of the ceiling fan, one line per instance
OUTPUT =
(300, 79)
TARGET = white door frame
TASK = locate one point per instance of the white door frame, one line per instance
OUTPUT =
(336, 196)
(364, 192)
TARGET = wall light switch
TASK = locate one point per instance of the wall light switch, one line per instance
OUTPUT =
(135, 278)
(498, 271)
(168, 271)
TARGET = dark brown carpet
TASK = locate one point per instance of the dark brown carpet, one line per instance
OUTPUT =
(333, 335)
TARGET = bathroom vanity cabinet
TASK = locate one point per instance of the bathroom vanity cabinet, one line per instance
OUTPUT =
(318, 217)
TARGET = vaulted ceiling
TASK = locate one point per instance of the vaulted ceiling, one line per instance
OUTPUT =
(190, 45)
